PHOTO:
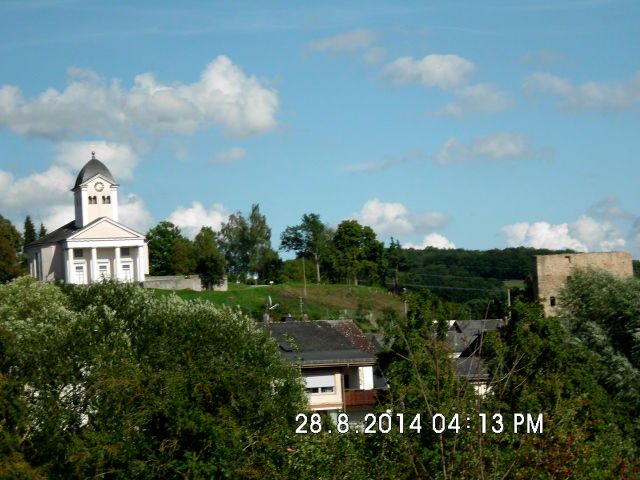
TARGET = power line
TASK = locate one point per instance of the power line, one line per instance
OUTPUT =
(449, 288)
(455, 276)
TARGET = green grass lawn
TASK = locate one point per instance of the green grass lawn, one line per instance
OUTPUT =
(514, 284)
(362, 303)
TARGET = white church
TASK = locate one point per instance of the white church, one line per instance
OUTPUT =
(93, 246)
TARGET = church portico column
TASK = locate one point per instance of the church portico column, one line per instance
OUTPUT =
(94, 264)
(68, 265)
(139, 265)
(116, 266)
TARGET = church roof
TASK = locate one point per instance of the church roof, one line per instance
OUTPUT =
(70, 229)
(61, 233)
(92, 168)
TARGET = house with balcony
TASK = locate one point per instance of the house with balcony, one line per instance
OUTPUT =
(338, 363)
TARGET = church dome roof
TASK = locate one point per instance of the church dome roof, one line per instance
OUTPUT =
(92, 168)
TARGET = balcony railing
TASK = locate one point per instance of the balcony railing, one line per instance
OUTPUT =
(355, 398)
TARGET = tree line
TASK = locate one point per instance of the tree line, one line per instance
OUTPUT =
(241, 250)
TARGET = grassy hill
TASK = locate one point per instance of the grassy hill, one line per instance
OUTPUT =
(362, 303)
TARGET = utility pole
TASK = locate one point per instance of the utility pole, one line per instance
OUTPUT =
(304, 277)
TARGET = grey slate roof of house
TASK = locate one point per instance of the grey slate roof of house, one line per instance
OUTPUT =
(461, 343)
(92, 168)
(472, 368)
(321, 343)
(475, 327)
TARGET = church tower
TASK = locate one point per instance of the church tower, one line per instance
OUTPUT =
(95, 193)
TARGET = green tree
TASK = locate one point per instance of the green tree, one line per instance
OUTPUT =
(29, 231)
(396, 260)
(603, 312)
(210, 262)
(357, 253)
(309, 239)
(162, 240)
(538, 367)
(10, 248)
(42, 231)
(183, 257)
(123, 386)
(246, 245)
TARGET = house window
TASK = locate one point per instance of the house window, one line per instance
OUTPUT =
(125, 252)
(103, 271)
(106, 199)
(126, 272)
(324, 390)
(79, 275)
(552, 301)
(93, 200)
(78, 253)
(320, 384)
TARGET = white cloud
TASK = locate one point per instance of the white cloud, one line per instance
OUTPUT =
(232, 155)
(496, 147)
(89, 105)
(352, 41)
(393, 218)
(583, 235)
(542, 235)
(597, 96)
(55, 216)
(192, 219)
(597, 235)
(482, 98)
(119, 158)
(133, 213)
(442, 71)
(434, 240)
(36, 190)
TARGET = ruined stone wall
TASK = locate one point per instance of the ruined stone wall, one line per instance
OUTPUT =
(552, 271)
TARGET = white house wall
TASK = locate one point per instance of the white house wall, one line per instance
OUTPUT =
(366, 378)
(322, 401)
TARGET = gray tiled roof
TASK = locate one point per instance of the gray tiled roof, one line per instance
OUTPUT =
(475, 327)
(317, 343)
(61, 233)
(471, 368)
(57, 235)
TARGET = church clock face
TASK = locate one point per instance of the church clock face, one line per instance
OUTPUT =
(99, 186)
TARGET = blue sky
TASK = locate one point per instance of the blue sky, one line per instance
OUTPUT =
(475, 124)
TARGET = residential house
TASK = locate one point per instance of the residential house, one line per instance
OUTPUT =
(338, 363)
(465, 338)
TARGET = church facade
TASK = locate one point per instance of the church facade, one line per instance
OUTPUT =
(94, 245)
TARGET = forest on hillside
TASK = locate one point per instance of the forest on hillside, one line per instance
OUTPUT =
(109, 381)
